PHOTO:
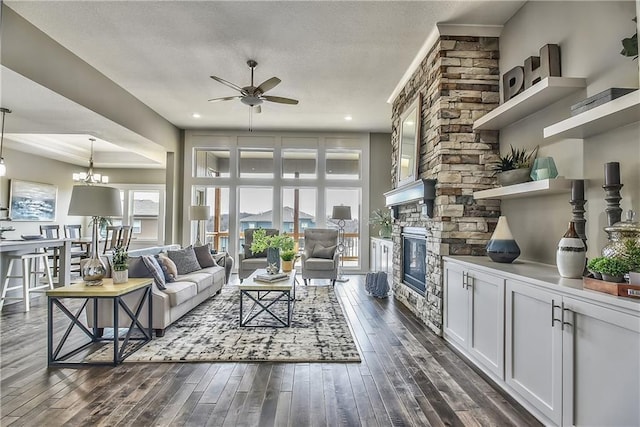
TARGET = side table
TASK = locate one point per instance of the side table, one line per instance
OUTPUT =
(108, 290)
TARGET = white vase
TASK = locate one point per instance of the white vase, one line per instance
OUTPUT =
(121, 276)
(571, 255)
(502, 247)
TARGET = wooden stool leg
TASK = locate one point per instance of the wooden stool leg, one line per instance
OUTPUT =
(5, 285)
(47, 272)
(26, 278)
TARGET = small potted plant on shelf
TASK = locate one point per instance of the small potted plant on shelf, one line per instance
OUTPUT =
(120, 273)
(514, 167)
(382, 218)
(632, 249)
(613, 269)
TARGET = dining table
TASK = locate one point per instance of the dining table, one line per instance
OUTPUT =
(19, 246)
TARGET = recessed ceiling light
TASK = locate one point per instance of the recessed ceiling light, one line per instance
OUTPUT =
(195, 115)
(348, 118)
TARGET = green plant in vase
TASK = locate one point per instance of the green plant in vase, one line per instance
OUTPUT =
(613, 269)
(630, 44)
(382, 218)
(515, 166)
(120, 262)
(594, 267)
(272, 245)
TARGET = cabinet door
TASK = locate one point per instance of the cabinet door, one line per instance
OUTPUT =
(456, 306)
(533, 343)
(486, 338)
(601, 366)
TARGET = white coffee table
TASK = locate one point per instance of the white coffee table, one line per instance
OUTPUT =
(266, 296)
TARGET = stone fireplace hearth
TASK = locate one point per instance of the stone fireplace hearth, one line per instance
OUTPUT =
(458, 82)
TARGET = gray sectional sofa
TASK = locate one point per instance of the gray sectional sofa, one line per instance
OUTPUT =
(180, 296)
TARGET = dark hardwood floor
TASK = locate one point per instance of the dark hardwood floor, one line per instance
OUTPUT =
(408, 377)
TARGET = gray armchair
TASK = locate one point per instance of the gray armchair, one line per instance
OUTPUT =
(247, 261)
(320, 259)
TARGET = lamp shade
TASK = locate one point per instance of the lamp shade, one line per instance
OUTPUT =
(341, 212)
(94, 200)
(198, 213)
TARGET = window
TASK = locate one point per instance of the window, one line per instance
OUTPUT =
(143, 209)
(343, 164)
(255, 204)
(346, 197)
(212, 163)
(299, 207)
(256, 163)
(299, 164)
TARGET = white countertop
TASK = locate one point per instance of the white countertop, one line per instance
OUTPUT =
(546, 276)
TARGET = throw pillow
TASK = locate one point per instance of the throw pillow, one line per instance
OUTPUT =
(137, 268)
(203, 255)
(185, 260)
(156, 271)
(168, 267)
(320, 251)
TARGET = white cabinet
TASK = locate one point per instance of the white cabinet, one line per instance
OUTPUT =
(571, 356)
(601, 369)
(533, 343)
(382, 257)
(474, 315)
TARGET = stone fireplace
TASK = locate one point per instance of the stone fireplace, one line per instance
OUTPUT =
(458, 82)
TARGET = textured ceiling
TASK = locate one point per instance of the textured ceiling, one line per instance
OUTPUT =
(338, 58)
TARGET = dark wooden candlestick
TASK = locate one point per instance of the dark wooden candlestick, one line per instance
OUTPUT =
(578, 202)
(612, 197)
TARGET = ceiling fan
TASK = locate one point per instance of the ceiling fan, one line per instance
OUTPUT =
(252, 95)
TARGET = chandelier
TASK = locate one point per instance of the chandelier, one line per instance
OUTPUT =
(89, 177)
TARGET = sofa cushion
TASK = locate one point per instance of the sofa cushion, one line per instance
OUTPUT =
(202, 280)
(137, 267)
(180, 292)
(254, 263)
(320, 251)
(216, 272)
(155, 270)
(168, 267)
(319, 264)
(185, 260)
(203, 255)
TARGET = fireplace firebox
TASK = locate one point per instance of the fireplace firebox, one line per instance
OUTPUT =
(414, 258)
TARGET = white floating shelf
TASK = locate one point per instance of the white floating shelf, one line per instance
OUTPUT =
(614, 114)
(537, 97)
(526, 189)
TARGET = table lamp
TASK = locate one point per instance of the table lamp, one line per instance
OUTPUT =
(199, 213)
(341, 214)
(94, 201)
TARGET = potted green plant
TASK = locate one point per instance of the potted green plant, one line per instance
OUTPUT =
(382, 218)
(120, 273)
(630, 44)
(515, 166)
(287, 257)
(272, 245)
(594, 267)
(613, 269)
(632, 249)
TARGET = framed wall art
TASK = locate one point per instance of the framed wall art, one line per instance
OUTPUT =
(32, 201)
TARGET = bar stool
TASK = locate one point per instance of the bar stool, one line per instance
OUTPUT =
(30, 270)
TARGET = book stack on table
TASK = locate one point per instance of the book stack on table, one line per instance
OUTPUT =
(270, 278)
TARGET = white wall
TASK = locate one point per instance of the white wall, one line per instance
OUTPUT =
(589, 35)
(380, 180)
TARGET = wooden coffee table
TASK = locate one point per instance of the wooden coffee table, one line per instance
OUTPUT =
(266, 296)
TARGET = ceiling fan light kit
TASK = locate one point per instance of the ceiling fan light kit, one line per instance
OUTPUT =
(253, 95)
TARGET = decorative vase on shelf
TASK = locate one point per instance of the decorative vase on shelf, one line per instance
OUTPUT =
(571, 254)
(514, 176)
(385, 232)
(502, 247)
(544, 168)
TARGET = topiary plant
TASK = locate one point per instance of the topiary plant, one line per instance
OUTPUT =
(630, 44)
(594, 264)
(614, 267)
(632, 250)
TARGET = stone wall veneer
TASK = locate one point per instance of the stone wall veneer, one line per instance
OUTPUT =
(458, 81)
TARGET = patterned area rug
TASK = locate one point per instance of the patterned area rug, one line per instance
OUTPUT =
(210, 333)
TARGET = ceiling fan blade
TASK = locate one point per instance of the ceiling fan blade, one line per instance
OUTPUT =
(257, 109)
(231, 85)
(268, 84)
(280, 100)
(226, 98)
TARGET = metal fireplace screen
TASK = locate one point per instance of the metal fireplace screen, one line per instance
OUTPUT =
(414, 262)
